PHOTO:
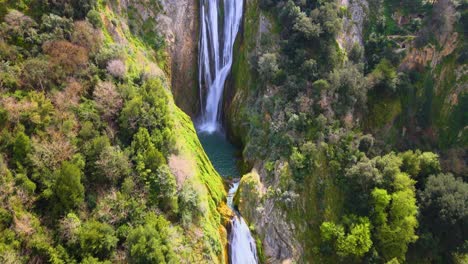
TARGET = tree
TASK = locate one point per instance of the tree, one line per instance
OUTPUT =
(113, 164)
(35, 74)
(68, 189)
(304, 26)
(21, 148)
(151, 242)
(429, 164)
(146, 109)
(97, 239)
(348, 83)
(66, 58)
(108, 101)
(94, 18)
(163, 187)
(411, 163)
(444, 208)
(356, 242)
(268, 66)
(116, 68)
(394, 218)
(86, 36)
(365, 174)
(190, 203)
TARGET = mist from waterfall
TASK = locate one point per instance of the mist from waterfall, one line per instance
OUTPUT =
(215, 55)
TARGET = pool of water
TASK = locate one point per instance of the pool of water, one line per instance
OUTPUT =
(221, 153)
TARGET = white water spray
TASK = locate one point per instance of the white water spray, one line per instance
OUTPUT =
(242, 245)
(215, 55)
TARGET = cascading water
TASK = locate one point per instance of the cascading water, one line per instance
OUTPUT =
(242, 245)
(215, 61)
(215, 55)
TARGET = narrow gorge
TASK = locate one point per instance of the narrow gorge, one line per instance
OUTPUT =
(233, 131)
(219, 25)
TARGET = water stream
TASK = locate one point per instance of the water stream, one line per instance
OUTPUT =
(219, 24)
(242, 247)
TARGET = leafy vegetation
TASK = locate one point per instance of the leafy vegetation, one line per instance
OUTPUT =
(335, 129)
(87, 132)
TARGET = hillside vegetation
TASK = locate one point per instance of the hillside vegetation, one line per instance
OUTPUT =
(91, 142)
(351, 112)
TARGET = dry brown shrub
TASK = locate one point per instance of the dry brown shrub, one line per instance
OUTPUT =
(85, 35)
(107, 99)
(50, 152)
(116, 68)
(69, 97)
(66, 56)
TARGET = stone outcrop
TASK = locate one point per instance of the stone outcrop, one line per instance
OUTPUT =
(179, 23)
(270, 222)
(352, 31)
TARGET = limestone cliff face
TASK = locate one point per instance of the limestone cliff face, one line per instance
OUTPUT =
(179, 23)
(352, 29)
(271, 224)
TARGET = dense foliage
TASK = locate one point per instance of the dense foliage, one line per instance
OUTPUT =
(86, 132)
(333, 126)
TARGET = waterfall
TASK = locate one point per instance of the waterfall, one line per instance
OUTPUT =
(243, 249)
(215, 61)
(215, 55)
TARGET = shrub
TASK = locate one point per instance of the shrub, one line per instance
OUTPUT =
(97, 239)
(66, 58)
(35, 74)
(68, 189)
(151, 243)
(113, 164)
(86, 36)
(116, 68)
(108, 100)
(268, 66)
(94, 18)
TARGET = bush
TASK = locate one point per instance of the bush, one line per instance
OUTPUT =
(97, 239)
(86, 36)
(108, 100)
(116, 68)
(268, 67)
(113, 164)
(68, 189)
(151, 243)
(94, 18)
(66, 58)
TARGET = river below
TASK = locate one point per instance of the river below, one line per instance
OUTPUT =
(242, 247)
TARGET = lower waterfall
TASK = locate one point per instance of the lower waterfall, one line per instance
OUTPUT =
(242, 246)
